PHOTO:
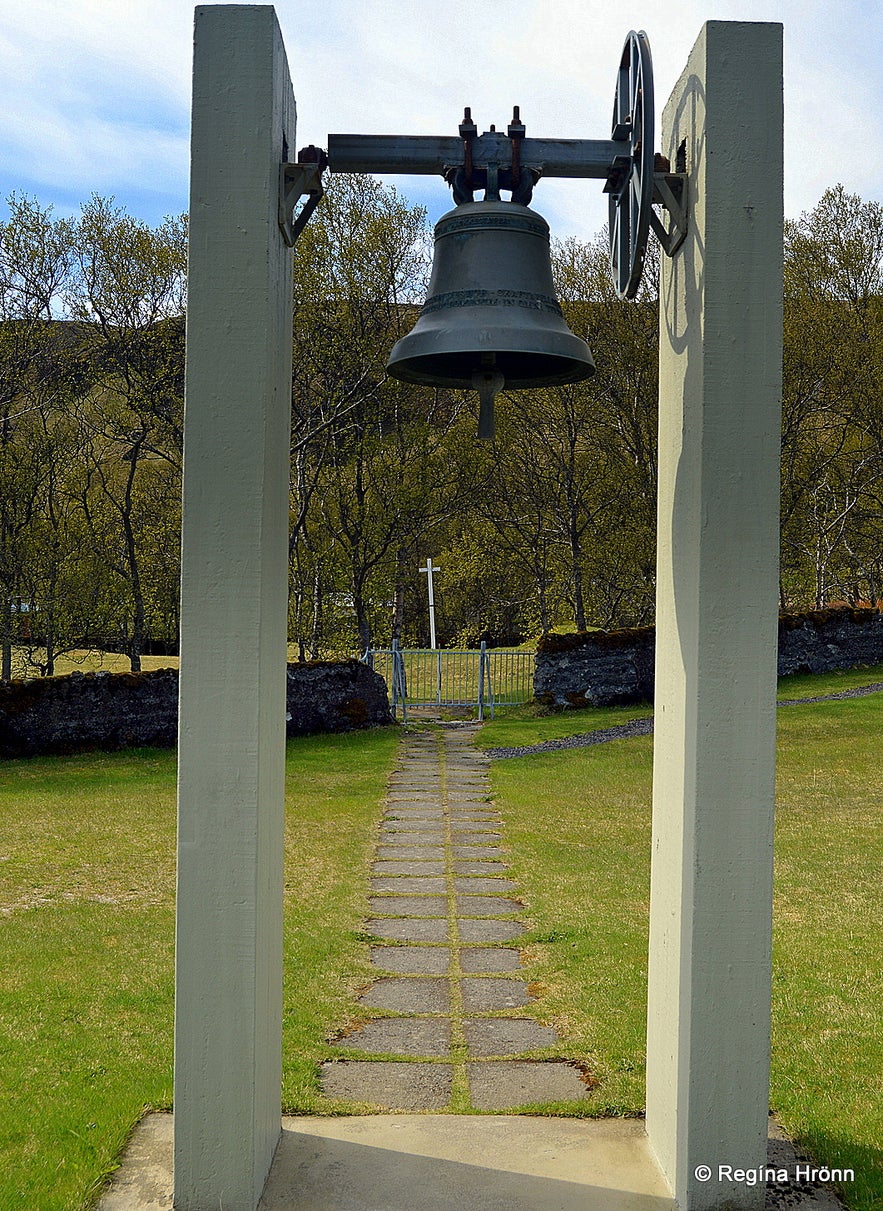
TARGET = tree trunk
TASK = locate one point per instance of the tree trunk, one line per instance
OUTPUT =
(398, 603)
(543, 600)
(6, 664)
(362, 624)
(316, 624)
(579, 609)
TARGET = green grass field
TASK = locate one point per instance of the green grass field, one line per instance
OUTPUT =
(86, 899)
(586, 884)
(87, 864)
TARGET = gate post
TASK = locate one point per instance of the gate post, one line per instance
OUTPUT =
(717, 589)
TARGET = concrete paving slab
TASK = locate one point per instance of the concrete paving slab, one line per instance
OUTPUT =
(416, 799)
(477, 930)
(484, 994)
(471, 837)
(411, 853)
(409, 885)
(409, 929)
(466, 852)
(484, 887)
(506, 1036)
(489, 959)
(414, 960)
(401, 837)
(396, 1085)
(410, 994)
(505, 1084)
(424, 811)
(486, 906)
(403, 1036)
(487, 828)
(472, 867)
(415, 796)
(385, 867)
(477, 812)
(409, 906)
(394, 825)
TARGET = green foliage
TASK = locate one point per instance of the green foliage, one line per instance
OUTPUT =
(832, 454)
(552, 523)
(91, 393)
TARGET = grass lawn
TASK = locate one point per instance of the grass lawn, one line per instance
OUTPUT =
(586, 884)
(87, 862)
(87, 888)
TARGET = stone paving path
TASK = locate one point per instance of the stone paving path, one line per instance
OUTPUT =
(445, 1030)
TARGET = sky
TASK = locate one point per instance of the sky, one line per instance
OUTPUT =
(95, 94)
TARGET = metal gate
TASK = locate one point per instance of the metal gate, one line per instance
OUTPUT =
(483, 677)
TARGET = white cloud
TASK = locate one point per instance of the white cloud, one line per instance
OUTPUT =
(94, 95)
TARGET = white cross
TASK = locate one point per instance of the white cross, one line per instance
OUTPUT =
(430, 569)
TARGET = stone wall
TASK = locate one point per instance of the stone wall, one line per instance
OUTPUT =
(125, 710)
(610, 668)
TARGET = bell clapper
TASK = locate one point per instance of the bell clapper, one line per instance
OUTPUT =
(488, 382)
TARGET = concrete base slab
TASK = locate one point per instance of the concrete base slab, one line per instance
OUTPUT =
(425, 1163)
(415, 1163)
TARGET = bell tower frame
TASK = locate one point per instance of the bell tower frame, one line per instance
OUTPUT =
(720, 389)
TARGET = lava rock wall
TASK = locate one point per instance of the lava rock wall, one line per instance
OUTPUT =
(127, 710)
(611, 668)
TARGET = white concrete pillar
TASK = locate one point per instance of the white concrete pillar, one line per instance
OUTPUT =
(233, 617)
(720, 391)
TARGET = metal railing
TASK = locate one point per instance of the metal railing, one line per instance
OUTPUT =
(483, 677)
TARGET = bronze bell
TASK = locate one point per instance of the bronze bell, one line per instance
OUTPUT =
(491, 318)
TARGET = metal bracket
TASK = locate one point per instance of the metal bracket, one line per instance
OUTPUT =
(295, 182)
(670, 191)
